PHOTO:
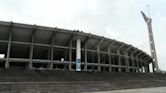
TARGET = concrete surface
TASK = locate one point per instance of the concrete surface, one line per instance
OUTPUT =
(140, 90)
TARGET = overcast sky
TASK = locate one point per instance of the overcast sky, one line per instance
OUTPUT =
(116, 19)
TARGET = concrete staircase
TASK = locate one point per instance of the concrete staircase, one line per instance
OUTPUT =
(35, 81)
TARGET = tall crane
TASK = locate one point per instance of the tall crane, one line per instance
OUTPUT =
(148, 20)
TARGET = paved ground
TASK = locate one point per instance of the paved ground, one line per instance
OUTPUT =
(140, 90)
(79, 87)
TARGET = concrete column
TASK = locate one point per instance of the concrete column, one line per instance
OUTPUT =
(127, 62)
(132, 61)
(141, 65)
(70, 55)
(104, 62)
(153, 66)
(52, 51)
(78, 55)
(9, 47)
(31, 50)
(145, 67)
(119, 61)
(98, 54)
(137, 64)
(109, 59)
(49, 56)
(93, 60)
(52, 57)
(85, 55)
(148, 70)
(65, 57)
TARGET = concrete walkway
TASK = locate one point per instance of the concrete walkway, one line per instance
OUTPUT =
(141, 90)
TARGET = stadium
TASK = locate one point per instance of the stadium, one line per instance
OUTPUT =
(38, 59)
(48, 48)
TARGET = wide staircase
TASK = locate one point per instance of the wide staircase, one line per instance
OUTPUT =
(47, 81)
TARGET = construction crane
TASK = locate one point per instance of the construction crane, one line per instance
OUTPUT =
(148, 20)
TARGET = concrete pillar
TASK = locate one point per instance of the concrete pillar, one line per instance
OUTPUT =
(153, 66)
(132, 61)
(109, 59)
(93, 60)
(70, 55)
(138, 64)
(85, 55)
(145, 68)
(98, 54)
(31, 50)
(104, 62)
(65, 57)
(52, 52)
(119, 61)
(141, 65)
(148, 70)
(49, 54)
(127, 62)
(9, 47)
(48, 57)
(78, 55)
(52, 57)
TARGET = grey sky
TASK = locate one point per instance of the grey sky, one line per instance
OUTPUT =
(117, 19)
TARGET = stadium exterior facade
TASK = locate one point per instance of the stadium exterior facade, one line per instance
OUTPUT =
(38, 47)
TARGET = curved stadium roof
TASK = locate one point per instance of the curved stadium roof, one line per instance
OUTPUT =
(22, 34)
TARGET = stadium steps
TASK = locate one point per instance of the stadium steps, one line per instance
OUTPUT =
(72, 82)
(21, 75)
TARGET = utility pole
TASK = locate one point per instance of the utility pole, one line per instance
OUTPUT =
(148, 20)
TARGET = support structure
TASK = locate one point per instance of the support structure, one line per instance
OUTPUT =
(70, 56)
(127, 58)
(151, 41)
(78, 55)
(44, 48)
(85, 55)
(127, 62)
(32, 47)
(9, 46)
(99, 60)
(109, 59)
(119, 56)
(52, 51)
